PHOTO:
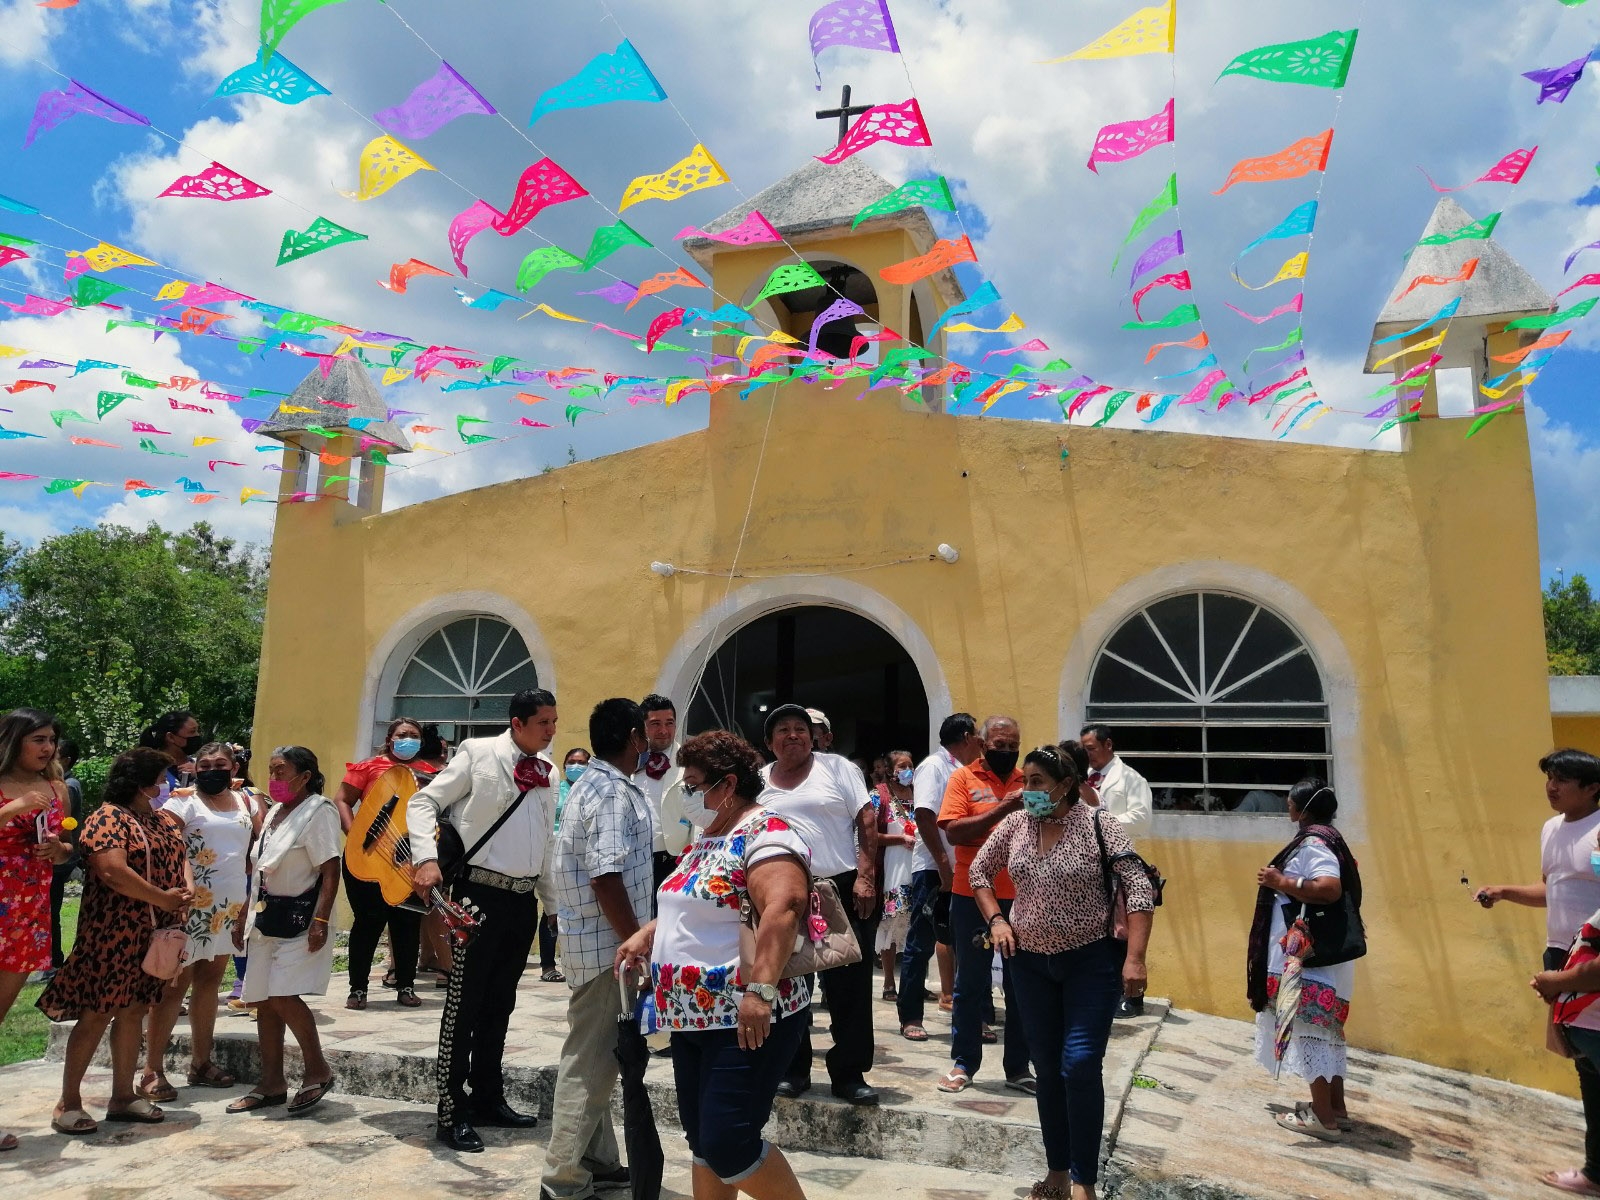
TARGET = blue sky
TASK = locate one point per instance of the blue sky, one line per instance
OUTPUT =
(1011, 135)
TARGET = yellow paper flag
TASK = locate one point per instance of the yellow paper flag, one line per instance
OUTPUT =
(11, 352)
(205, 441)
(395, 375)
(1011, 324)
(1294, 268)
(1427, 345)
(550, 312)
(294, 408)
(246, 493)
(1148, 31)
(384, 163)
(699, 170)
(105, 257)
(1499, 393)
(174, 290)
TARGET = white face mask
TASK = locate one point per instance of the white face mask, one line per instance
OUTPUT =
(696, 807)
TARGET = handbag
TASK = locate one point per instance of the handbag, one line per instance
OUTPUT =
(167, 954)
(1117, 906)
(454, 857)
(825, 939)
(1338, 934)
(287, 916)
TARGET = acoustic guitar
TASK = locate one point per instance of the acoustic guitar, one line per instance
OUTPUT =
(378, 850)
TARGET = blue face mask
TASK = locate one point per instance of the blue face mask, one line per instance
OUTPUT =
(904, 776)
(406, 749)
(1594, 861)
(574, 770)
(1037, 804)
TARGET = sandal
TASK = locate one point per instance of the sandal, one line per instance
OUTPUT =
(408, 998)
(389, 979)
(914, 1033)
(74, 1123)
(1026, 1084)
(253, 1100)
(1570, 1181)
(1308, 1123)
(890, 994)
(140, 1112)
(154, 1087)
(552, 975)
(990, 1037)
(309, 1096)
(8, 1141)
(1343, 1122)
(956, 1081)
(1045, 1191)
(357, 999)
(208, 1074)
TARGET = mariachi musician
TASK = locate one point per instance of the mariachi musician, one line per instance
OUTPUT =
(402, 747)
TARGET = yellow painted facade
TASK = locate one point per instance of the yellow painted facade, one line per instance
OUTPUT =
(1413, 576)
(1580, 733)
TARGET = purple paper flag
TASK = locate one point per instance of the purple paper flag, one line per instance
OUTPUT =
(861, 24)
(839, 308)
(1573, 257)
(433, 104)
(1556, 82)
(1165, 250)
(1129, 139)
(619, 292)
(55, 107)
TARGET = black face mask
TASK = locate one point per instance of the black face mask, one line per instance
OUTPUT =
(1001, 762)
(191, 745)
(214, 782)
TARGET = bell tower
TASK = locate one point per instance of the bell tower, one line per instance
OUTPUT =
(814, 211)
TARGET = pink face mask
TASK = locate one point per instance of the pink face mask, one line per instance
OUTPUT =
(281, 790)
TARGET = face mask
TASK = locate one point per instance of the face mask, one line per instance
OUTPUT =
(1594, 861)
(213, 782)
(193, 744)
(405, 749)
(1001, 762)
(574, 770)
(696, 808)
(1038, 804)
(281, 790)
(644, 756)
(904, 776)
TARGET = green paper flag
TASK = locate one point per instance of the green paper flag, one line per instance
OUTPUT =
(1166, 200)
(791, 277)
(1316, 62)
(584, 390)
(322, 431)
(1113, 402)
(280, 16)
(319, 235)
(1491, 415)
(574, 411)
(1577, 311)
(1477, 231)
(108, 401)
(12, 239)
(608, 239)
(249, 345)
(500, 363)
(59, 415)
(299, 322)
(541, 262)
(138, 381)
(1184, 314)
(463, 421)
(91, 291)
(401, 349)
(56, 486)
(381, 457)
(148, 445)
(1056, 364)
(929, 193)
(1292, 340)
(896, 359)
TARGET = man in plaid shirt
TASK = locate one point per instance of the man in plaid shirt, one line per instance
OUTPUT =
(602, 868)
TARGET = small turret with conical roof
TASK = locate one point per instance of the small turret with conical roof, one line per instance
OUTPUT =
(346, 403)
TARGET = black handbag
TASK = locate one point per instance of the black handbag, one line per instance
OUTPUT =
(453, 854)
(1338, 934)
(287, 916)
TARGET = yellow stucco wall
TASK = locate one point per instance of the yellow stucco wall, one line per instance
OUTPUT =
(1423, 564)
(1580, 733)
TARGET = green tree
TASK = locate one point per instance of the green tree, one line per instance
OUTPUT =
(105, 625)
(1572, 627)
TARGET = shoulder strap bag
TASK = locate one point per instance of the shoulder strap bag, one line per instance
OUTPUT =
(167, 954)
(825, 939)
(453, 857)
(1116, 898)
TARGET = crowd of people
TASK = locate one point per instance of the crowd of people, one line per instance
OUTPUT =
(726, 885)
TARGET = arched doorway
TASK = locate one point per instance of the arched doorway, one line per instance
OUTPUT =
(823, 657)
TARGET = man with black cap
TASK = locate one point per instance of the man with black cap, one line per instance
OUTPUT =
(825, 800)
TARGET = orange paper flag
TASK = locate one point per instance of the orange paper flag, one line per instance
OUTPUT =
(1547, 342)
(400, 274)
(1461, 276)
(1303, 157)
(663, 281)
(1198, 342)
(944, 254)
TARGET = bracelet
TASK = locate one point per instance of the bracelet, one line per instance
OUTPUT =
(324, 920)
(997, 917)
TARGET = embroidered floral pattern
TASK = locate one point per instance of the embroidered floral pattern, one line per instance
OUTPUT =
(1319, 1005)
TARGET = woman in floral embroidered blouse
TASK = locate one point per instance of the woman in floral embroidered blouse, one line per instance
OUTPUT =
(734, 1028)
(1070, 963)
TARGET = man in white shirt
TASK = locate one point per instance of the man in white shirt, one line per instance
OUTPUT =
(601, 865)
(660, 779)
(932, 865)
(497, 792)
(1123, 792)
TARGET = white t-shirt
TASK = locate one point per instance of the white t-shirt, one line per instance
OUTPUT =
(927, 790)
(1572, 889)
(822, 810)
(1313, 860)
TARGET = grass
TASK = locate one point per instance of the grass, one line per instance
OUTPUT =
(25, 1030)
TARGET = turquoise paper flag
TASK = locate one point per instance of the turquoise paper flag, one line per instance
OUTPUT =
(620, 75)
(986, 295)
(1301, 221)
(279, 79)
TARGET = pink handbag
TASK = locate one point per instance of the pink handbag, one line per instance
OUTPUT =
(167, 954)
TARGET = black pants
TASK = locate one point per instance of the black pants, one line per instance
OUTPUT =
(372, 914)
(483, 991)
(58, 892)
(848, 991)
(547, 942)
(1588, 1087)
(661, 865)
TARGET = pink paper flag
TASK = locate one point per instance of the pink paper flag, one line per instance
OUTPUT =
(1179, 281)
(1026, 347)
(752, 230)
(11, 254)
(543, 184)
(76, 265)
(216, 182)
(212, 293)
(38, 306)
(670, 319)
(1509, 169)
(1129, 139)
(1203, 389)
(1302, 373)
(1295, 305)
(901, 124)
(433, 104)
(1081, 401)
(468, 225)
(1586, 281)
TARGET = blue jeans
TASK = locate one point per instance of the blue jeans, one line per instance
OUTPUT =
(920, 941)
(1067, 1002)
(974, 995)
(725, 1094)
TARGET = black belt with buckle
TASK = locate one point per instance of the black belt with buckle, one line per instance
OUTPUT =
(520, 884)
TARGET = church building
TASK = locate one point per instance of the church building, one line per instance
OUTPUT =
(1242, 613)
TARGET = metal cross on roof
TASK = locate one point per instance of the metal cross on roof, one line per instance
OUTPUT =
(844, 112)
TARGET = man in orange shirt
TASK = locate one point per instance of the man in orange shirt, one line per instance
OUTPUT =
(978, 797)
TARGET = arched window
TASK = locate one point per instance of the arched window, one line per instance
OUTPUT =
(1215, 700)
(463, 677)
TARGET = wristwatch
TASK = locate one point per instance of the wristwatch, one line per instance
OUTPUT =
(765, 991)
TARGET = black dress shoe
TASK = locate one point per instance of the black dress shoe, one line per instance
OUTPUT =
(461, 1136)
(619, 1178)
(793, 1089)
(1130, 1006)
(503, 1116)
(860, 1093)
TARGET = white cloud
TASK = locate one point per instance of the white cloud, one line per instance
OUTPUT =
(28, 29)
